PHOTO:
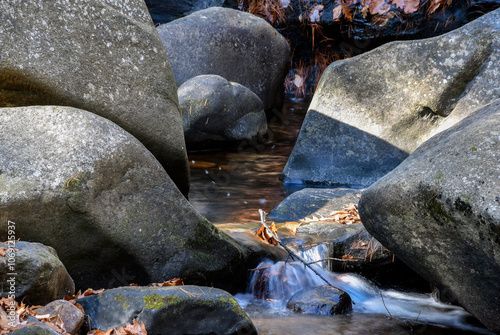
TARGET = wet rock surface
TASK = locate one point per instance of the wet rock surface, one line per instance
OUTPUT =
(321, 300)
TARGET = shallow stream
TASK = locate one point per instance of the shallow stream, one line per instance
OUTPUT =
(230, 187)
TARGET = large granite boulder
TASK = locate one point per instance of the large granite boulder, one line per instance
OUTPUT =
(164, 11)
(79, 183)
(218, 113)
(439, 211)
(102, 56)
(232, 44)
(169, 310)
(33, 273)
(369, 112)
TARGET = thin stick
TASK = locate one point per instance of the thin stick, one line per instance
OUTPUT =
(290, 252)
(385, 305)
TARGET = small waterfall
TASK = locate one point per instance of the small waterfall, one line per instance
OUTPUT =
(274, 283)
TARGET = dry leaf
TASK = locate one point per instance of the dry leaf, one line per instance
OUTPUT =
(264, 235)
(171, 282)
(379, 7)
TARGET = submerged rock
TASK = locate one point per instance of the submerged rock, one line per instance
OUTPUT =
(101, 56)
(321, 300)
(371, 111)
(169, 310)
(39, 276)
(81, 184)
(219, 113)
(439, 211)
(235, 45)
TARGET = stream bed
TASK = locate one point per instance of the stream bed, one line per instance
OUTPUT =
(229, 187)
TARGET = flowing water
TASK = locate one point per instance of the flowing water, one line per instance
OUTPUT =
(230, 187)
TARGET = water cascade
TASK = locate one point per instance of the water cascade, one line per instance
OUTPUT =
(272, 285)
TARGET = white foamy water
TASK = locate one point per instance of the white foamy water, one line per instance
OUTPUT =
(274, 283)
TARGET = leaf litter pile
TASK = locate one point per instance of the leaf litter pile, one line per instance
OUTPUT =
(14, 315)
(348, 215)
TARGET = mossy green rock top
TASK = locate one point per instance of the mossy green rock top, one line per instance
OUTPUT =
(169, 310)
(439, 212)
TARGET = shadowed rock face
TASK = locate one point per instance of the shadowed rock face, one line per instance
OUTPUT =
(101, 56)
(79, 183)
(217, 113)
(235, 45)
(439, 211)
(40, 276)
(369, 112)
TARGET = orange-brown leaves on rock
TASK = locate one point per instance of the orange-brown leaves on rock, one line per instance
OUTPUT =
(266, 236)
(135, 328)
(348, 215)
(379, 7)
(13, 315)
(344, 9)
(408, 6)
(171, 282)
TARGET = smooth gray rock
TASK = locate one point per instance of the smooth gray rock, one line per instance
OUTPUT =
(33, 274)
(320, 300)
(235, 45)
(169, 310)
(308, 202)
(369, 112)
(67, 312)
(102, 56)
(81, 184)
(439, 211)
(218, 113)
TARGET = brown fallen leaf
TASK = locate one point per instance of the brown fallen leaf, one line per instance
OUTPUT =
(171, 282)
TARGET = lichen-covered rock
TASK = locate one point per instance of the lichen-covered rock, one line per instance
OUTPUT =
(70, 315)
(33, 273)
(235, 45)
(369, 112)
(219, 113)
(169, 310)
(439, 211)
(320, 300)
(79, 183)
(102, 56)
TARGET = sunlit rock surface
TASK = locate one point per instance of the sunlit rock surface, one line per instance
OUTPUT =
(369, 112)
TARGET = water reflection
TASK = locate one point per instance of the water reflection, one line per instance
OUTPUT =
(230, 187)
